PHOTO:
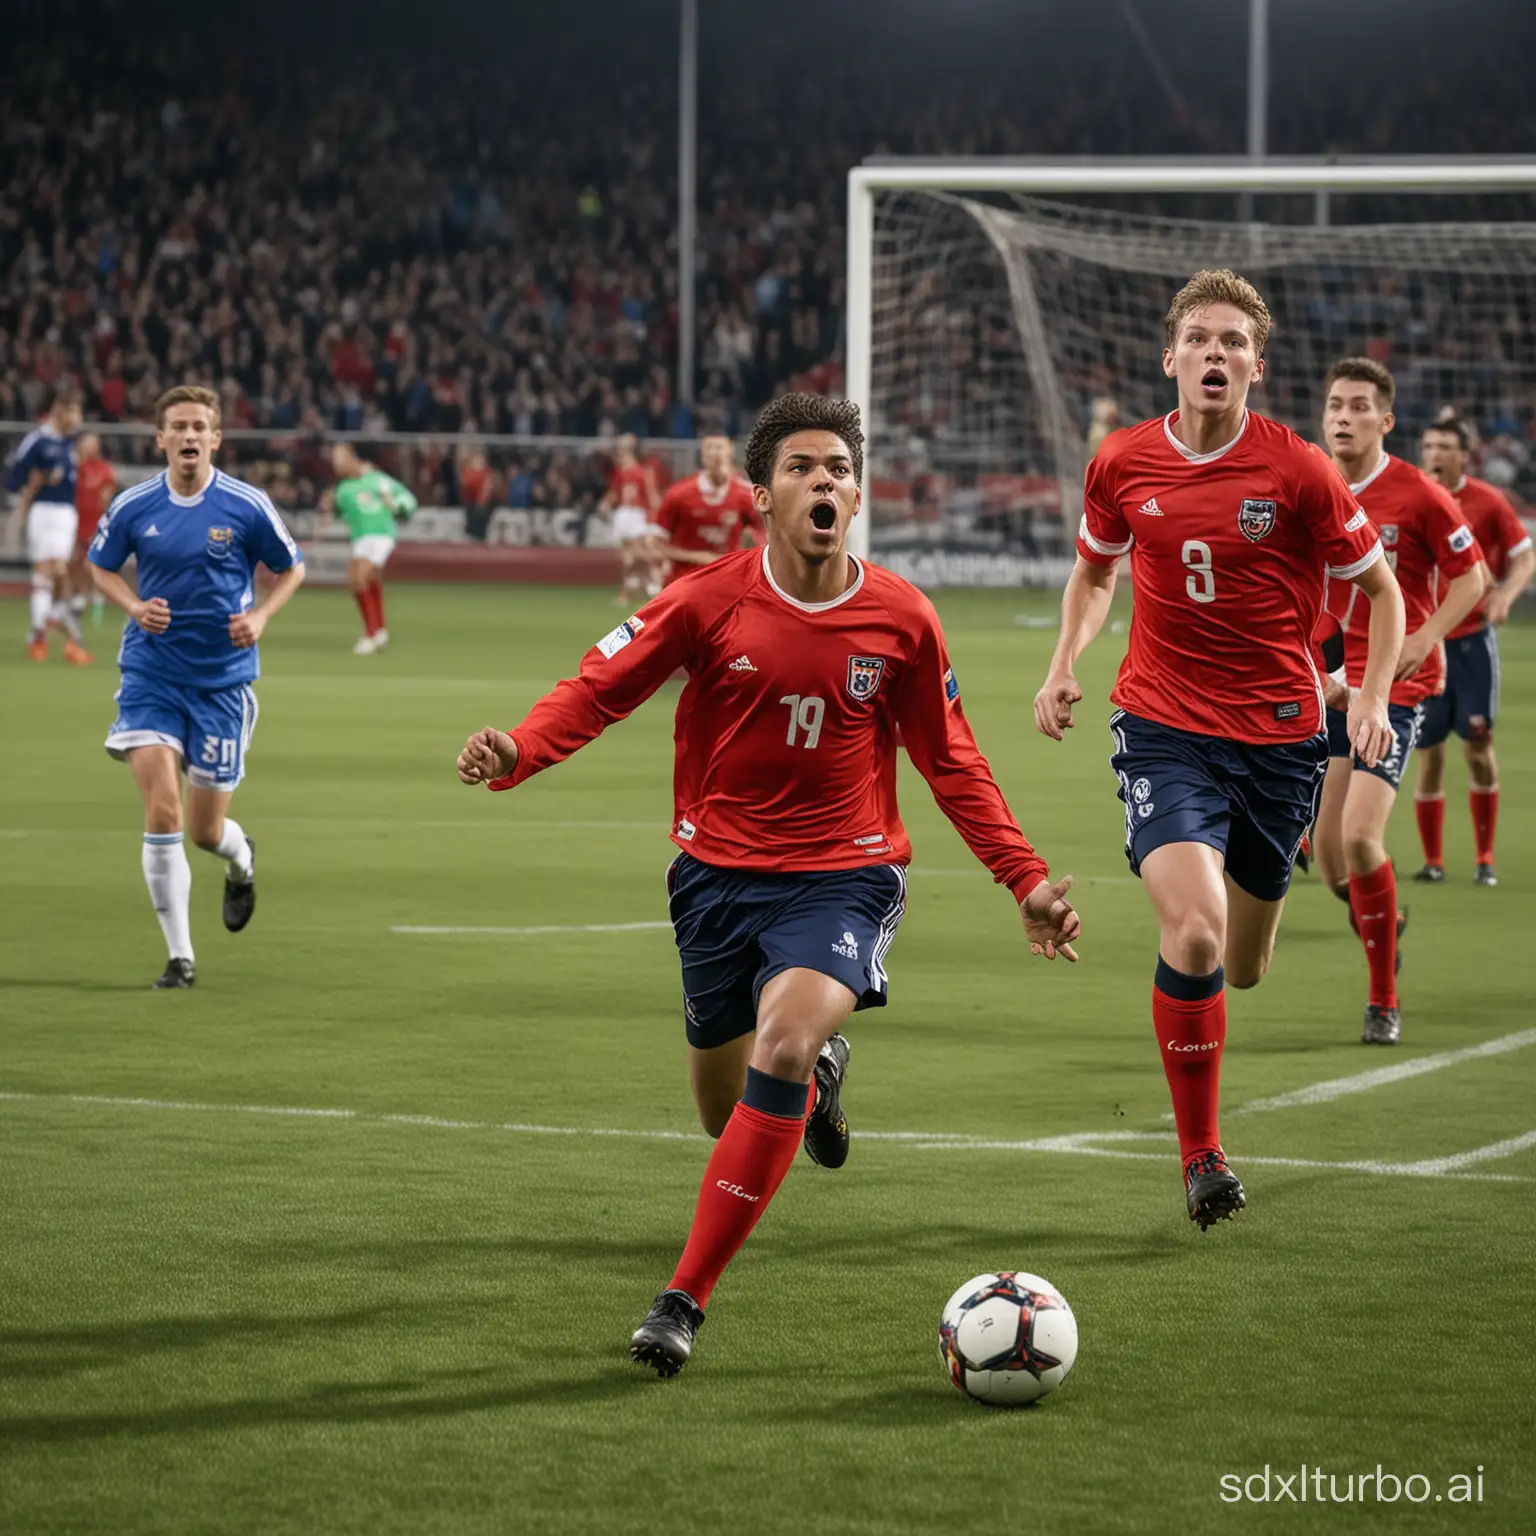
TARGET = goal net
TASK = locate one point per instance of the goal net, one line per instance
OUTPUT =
(1007, 333)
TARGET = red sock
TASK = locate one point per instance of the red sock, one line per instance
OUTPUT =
(377, 593)
(1430, 810)
(748, 1164)
(365, 608)
(1485, 817)
(1190, 1034)
(1373, 900)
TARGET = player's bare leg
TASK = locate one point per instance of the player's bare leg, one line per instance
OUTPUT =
(1429, 810)
(798, 1012)
(157, 772)
(1251, 928)
(1189, 1013)
(1373, 899)
(216, 832)
(1328, 829)
(718, 1077)
(1483, 797)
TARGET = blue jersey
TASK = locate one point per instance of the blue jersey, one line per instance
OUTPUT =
(200, 554)
(45, 449)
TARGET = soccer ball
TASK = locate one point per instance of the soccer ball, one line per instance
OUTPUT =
(1007, 1338)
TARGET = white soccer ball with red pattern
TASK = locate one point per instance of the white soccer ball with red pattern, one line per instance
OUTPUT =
(1007, 1337)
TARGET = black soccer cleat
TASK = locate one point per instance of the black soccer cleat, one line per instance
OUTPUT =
(177, 974)
(664, 1341)
(1382, 1025)
(1431, 874)
(826, 1127)
(1211, 1190)
(1485, 874)
(240, 896)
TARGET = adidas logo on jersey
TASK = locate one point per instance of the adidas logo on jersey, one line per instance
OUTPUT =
(1150, 508)
(151, 532)
(741, 664)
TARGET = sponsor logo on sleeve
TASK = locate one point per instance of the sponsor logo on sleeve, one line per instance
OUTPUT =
(1359, 520)
(864, 674)
(615, 641)
(951, 687)
(1256, 519)
(1461, 538)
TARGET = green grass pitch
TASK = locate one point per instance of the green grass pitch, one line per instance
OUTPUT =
(408, 1309)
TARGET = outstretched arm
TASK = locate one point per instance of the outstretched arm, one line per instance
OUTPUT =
(939, 741)
(1084, 607)
(617, 675)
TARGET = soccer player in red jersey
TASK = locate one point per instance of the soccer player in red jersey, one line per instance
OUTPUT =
(627, 470)
(1471, 698)
(1426, 539)
(1231, 521)
(803, 663)
(707, 515)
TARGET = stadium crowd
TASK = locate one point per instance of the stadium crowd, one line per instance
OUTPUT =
(451, 243)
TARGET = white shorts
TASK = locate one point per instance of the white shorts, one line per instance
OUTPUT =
(375, 548)
(51, 529)
(630, 523)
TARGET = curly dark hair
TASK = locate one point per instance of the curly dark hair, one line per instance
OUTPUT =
(789, 414)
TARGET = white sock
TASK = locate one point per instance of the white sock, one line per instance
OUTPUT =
(233, 846)
(169, 878)
(77, 603)
(63, 615)
(42, 601)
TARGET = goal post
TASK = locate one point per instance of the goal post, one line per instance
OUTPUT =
(996, 309)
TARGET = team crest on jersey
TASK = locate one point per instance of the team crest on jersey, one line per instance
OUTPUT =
(1388, 532)
(864, 674)
(220, 542)
(1256, 519)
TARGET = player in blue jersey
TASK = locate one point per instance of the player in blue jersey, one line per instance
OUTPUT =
(189, 655)
(41, 477)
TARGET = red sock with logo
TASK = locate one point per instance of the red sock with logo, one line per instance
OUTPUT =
(1189, 1014)
(1430, 811)
(1485, 817)
(748, 1164)
(376, 592)
(1373, 900)
(365, 608)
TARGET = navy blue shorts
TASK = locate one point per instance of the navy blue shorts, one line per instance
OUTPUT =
(1405, 720)
(1470, 703)
(1251, 803)
(739, 928)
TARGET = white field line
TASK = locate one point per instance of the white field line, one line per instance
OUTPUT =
(1364, 1082)
(1078, 1144)
(542, 928)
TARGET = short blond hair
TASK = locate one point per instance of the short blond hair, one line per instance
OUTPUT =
(1220, 285)
(187, 394)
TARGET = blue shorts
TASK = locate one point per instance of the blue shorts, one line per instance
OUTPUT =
(739, 928)
(210, 727)
(1470, 703)
(1251, 803)
(1405, 720)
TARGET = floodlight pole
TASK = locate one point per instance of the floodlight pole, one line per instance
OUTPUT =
(687, 194)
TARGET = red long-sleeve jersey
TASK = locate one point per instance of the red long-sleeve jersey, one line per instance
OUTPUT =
(787, 727)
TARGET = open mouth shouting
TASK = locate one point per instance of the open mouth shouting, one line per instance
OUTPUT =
(824, 515)
(1213, 383)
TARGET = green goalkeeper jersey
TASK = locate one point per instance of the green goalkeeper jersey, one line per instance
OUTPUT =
(370, 503)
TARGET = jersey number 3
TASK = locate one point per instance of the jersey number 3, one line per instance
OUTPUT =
(805, 716)
(1200, 583)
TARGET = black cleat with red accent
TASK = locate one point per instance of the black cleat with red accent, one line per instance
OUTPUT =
(1211, 1190)
(664, 1341)
(826, 1127)
(1382, 1025)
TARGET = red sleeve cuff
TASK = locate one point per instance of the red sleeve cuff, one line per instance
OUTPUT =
(1026, 883)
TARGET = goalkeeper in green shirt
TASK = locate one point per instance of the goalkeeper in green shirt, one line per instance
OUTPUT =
(370, 503)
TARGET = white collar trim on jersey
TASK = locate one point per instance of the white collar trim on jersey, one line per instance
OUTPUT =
(1360, 485)
(1189, 453)
(794, 602)
(1459, 487)
(708, 491)
(189, 501)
